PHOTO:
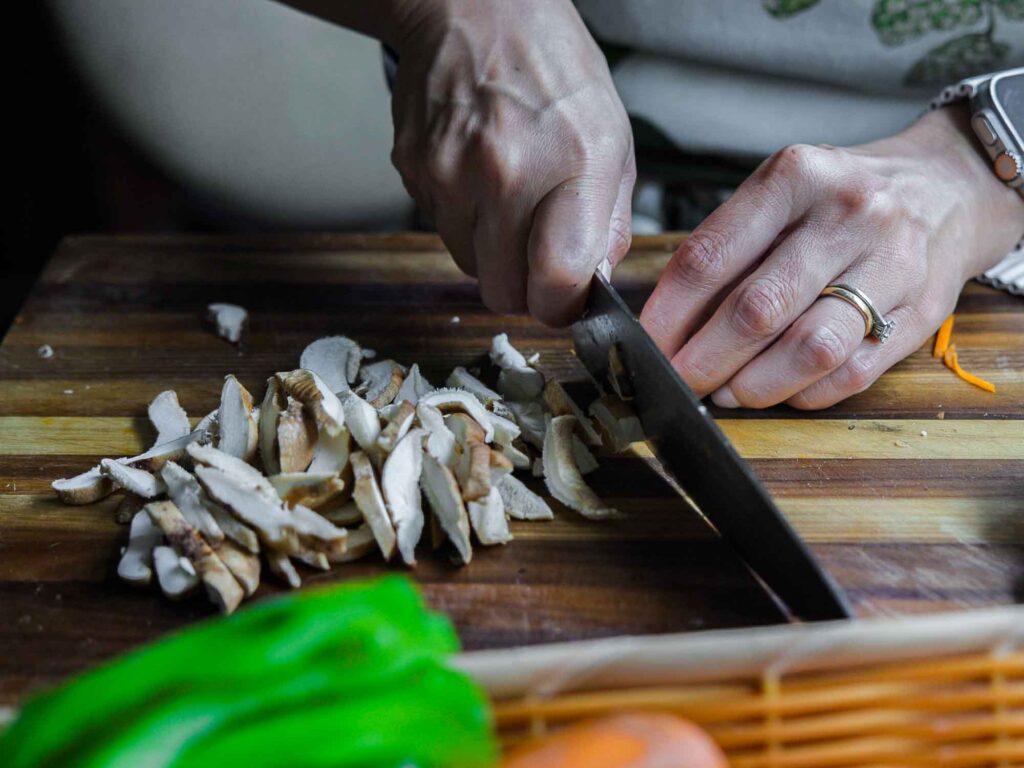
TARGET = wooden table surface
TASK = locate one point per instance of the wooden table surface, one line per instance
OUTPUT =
(911, 494)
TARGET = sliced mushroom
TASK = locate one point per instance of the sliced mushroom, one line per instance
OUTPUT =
(531, 420)
(313, 490)
(382, 381)
(136, 564)
(359, 543)
(462, 379)
(184, 491)
(505, 430)
(175, 574)
(362, 421)
(561, 475)
(414, 387)
(274, 403)
(233, 528)
(558, 400)
(138, 481)
(537, 470)
(397, 427)
(270, 520)
(368, 498)
(221, 586)
(504, 355)
(520, 502)
(230, 320)
(520, 384)
(296, 438)
(319, 400)
(316, 532)
(618, 376)
(85, 488)
(332, 453)
(317, 560)
(347, 514)
(475, 471)
(442, 492)
(173, 450)
(335, 359)
(237, 431)
(129, 506)
(400, 488)
(244, 566)
(282, 567)
(464, 428)
(619, 421)
(168, 417)
(488, 519)
(245, 474)
(585, 461)
(440, 441)
(207, 428)
(515, 453)
(449, 400)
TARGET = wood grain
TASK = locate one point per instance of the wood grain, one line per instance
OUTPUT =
(906, 522)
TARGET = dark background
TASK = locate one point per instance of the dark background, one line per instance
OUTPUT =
(68, 169)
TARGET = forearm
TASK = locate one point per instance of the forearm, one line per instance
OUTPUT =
(385, 20)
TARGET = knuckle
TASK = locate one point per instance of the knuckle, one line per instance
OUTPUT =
(762, 307)
(500, 164)
(823, 349)
(795, 162)
(700, 259)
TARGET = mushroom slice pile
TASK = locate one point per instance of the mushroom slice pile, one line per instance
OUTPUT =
(168, 417)
(342, 472)
(237, 431)
(335, 359)
(562, 476)
(230, 320)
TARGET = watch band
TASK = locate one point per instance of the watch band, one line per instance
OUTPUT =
(1008, 274)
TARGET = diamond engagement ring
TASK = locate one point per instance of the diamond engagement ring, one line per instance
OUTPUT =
(874, 324)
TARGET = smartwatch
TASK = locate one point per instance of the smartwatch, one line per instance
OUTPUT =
(997, 117)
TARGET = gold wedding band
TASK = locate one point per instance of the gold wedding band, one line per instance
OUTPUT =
(874, 324)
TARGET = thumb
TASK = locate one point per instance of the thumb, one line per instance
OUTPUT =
(568, 240)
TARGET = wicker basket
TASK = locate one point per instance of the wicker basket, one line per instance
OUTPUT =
(938, 690)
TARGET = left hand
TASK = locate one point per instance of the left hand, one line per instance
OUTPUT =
(907, 220)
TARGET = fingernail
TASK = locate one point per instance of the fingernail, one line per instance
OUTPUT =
(724, 398)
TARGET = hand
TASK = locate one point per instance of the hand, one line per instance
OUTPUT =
(510, 135)
(907, 220)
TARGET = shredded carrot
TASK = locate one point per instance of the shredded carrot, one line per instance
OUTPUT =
(942, 337)
(949, 357)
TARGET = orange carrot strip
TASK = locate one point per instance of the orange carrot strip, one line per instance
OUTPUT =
(949, 357)
(942, 337)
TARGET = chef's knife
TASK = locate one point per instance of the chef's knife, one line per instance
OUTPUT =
(695, 452)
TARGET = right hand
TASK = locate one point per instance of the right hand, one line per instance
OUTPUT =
(510, 135)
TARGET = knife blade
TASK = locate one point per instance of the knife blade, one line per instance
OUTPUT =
(697, 455)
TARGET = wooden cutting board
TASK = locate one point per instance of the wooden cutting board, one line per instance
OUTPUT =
(912, 494)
